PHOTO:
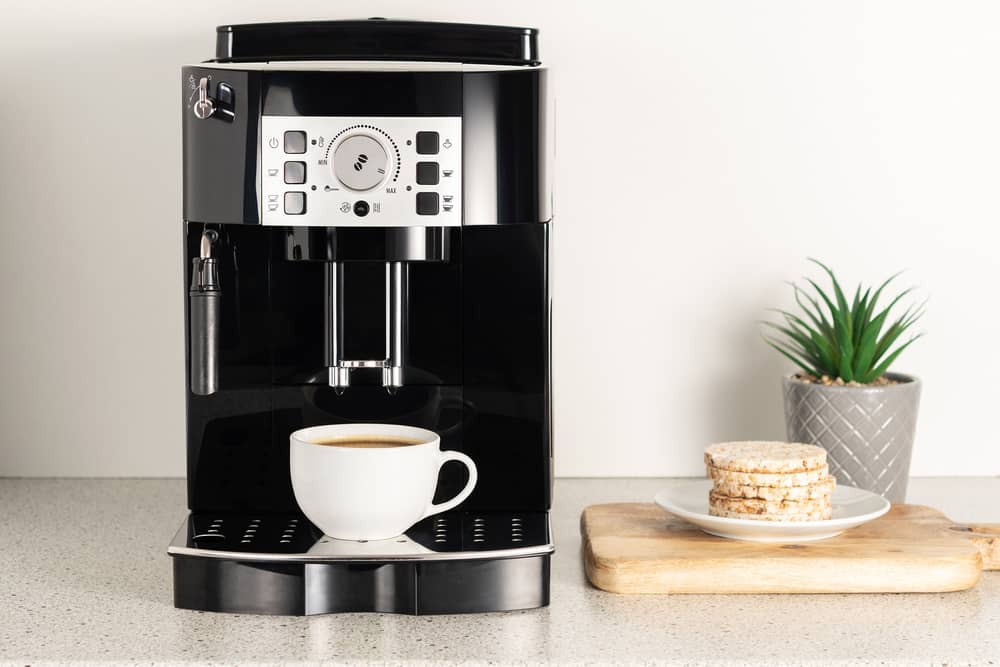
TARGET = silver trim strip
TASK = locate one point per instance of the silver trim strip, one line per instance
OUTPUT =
(363, 66)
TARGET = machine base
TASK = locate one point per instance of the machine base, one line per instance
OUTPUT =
(441, 587)
(448, 564)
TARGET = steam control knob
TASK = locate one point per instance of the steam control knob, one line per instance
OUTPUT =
(204, 107)
(360, 162)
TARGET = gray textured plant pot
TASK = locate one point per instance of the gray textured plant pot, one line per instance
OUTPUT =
(866, 431)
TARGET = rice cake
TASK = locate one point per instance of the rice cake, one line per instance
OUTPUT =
(765, 457)
(761, 479)
(821, 489)
(764, 479)
(816, 515)
(760, 506)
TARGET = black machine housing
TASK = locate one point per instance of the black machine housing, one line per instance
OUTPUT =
(477, 363)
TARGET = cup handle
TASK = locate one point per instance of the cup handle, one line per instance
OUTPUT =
(464, 493)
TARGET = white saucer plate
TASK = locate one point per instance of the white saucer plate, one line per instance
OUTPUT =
(688, 499)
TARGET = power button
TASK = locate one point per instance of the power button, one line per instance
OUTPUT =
(361, 208)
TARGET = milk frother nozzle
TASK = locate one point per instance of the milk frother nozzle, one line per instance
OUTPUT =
(208, 237)
(205, 301)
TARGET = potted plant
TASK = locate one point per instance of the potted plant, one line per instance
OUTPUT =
(845, 398)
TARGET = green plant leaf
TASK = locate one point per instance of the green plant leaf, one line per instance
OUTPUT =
(834, 337)
(804, 342)
(791, 357)
(814, 314)
(859, 314)
(818, 318)
(846, 372)
(867, 346)
(878, 293)
(825, 354)
(895, 330)
(823, 330)
(839, 294)
(879, 370)
(815, 347)
(918, 312)
(790, 346)
(835, 317)
(880, 319)
(842, 345)
(793, 319)
(890, 336)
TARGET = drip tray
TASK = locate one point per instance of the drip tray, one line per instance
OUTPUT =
(291, 537)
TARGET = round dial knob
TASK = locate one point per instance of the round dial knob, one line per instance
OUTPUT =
(360, 162)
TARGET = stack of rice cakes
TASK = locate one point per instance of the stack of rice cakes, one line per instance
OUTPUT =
(769, 481)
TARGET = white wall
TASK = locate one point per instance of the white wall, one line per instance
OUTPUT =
(704, 149)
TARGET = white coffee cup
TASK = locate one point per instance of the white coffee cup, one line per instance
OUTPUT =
(360, 493)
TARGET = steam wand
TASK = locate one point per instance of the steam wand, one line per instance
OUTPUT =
(204, 301)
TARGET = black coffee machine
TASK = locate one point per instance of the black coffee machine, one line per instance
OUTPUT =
(367, 236)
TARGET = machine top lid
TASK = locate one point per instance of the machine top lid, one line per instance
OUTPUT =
(377, 39)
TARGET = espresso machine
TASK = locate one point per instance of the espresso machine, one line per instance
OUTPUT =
(367, 234)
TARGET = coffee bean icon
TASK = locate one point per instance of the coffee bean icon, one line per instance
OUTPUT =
(359, 162)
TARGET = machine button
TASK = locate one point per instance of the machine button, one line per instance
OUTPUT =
(295, 141)
(427, 173)
(295, 203)
(295, 173)
(427, 203)
(427, 143)
(360, 162)
(224, 94)
(361, 208)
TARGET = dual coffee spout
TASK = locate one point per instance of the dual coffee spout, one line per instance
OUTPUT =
(340, 369)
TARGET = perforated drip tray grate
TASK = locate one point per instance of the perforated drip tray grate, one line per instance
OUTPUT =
(250, 532)
(278, 537)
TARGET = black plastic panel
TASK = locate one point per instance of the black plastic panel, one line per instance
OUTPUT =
(377, 39)
(445, 587)
(312, 93)
(505, 148)
(477, 371)
(220, 157)
(485, 585)
(208, 584)
(505, 363)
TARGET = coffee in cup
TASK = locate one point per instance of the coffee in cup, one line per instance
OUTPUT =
(370, 481)
(367, 441)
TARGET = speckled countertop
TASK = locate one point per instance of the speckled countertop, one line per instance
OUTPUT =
(84, 577)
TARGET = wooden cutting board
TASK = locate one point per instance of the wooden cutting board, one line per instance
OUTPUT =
(640, 548)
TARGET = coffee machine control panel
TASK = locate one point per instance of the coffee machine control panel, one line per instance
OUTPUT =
(361, 172)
